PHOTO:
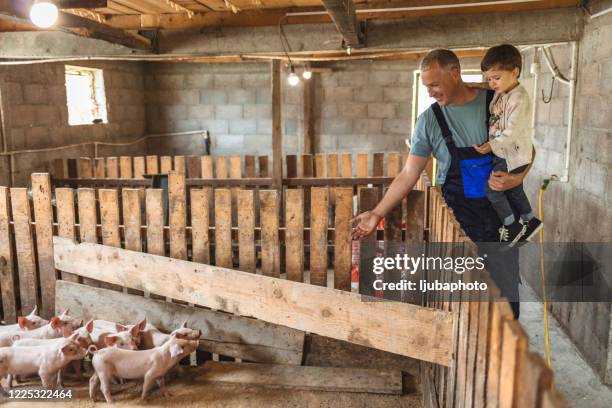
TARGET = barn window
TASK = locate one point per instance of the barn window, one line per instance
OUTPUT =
(85, 95)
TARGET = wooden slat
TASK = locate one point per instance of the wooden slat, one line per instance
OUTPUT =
(270, 250)
(277, 124)
(294, 234)
(155, 221)
(66, 220)
(500, 312)
(514, 347)
(109, 217)
(7, 272)
(332, 165)
(112, 168)
(199, 225)
(535, 378)
(206, 162)
(223, 228)
(401, 328)
(125, 167)
(393, 164)
(43, 214)
(132, 219)
(368, 198)
(249, 166)
(306, 166)
(177, 217)
(334, 379)
(480, 374)
(193, 167)
(347, 165)
(263, 166)
(291, 163)
(99, 167)
(84, 167)
(60, 168)
(246, 230)
(221, 167)
(165, 164)
(71, 166)
(320, 165)
(152, 164)
(179, 164)
(222, 333)
(342, 238)
(362, 165)
(378, 162)
(318, 235)
(87, 215)
(24, 244)
(393, 246)
(139, 167)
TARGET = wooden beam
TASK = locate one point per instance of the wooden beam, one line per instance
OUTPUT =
(81, 4)
(414, 331)
(334, 379)
(277, 130)
(309, 139)
(342, 13)
(222, 333)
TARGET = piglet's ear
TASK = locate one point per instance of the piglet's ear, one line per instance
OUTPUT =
(110, 340)
(23, 322)
(55, 322)
(34, 311)
(120, 328)
(184, 325)
(175, 350)
(142, 324)
(135, 330)
(89, 326)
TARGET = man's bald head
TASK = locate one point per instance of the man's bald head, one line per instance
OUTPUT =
(445, 59)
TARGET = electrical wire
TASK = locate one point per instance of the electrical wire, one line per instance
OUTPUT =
(283, 38)
(542, 274)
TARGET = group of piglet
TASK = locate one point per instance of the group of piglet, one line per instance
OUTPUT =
(47, 347)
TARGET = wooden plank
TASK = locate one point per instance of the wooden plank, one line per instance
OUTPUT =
(362, 165)
(480, 374)
(152, 164)
(112, 168)
(99, 167)
(84, 167)
(368, 198)
(193, 167)
(60, 168)
(534, 379)
(263, 166)
(177, 217)
(179, 164)
(347, 165)
(306, 166)
(155, 221)
(333, 379)
(125, 167)
(318, 235)
(294, 234)
(249, 166)
(199, 225)
(394, 245)
(500, 312)
(393, 164)
(71, 166)
(43, 214)
(7, 272)
(308, 98)
(246, 230)
(514, 347)
(66, 220)
(342, 238)
(378, 162)
(223, 228)
(24, 244)
(109, 217)
(221, 167)
(165, 164)
(206, 163)
(270, 249)
(291, 162)
(139, 167)
(87, 215)
(401, 328)
(277, 124)
(222, 333)
(320, 165)
(332, 165)
(132, 219)
(473, 335)
(553, 399)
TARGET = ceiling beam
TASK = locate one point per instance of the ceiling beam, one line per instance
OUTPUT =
(82, 4)
(342, 13)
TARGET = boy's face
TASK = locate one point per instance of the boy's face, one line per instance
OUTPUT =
(502, 80)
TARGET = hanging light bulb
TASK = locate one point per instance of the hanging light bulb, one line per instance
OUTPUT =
(44, 14)
(307, 73)
(293, 79)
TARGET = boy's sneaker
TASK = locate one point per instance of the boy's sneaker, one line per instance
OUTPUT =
(531, 228)
(511, 234)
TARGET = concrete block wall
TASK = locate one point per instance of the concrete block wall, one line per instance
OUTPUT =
(580, 210)
(36, 113)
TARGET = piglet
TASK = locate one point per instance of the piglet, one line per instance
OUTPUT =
(151, 365)
(29, 322)
(107, 333)
(51, 330)
(153, 337)
(46, 360)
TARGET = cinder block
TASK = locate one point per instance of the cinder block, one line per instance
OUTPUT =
(255, 80)
(23, 115)
(15, 93)
(291, 110)
(352, 78)
(369, 94)
(353, 110)
(328, 79)
(383, 78)
(590, 79)
(326, 111)
(399, 94)
(173, 112)
(336, 126)
(381, 110)
(342, 94)
(168, 81)
(213, 97)
(227, 81)
(215, 126)
(241, 96)
(404, 110)
(34, 94)
(201, 112)
(292, 95)
(596, 178)
(56, 95)
(290, 126)
(199, 81)
(37, 137)
(557, 108)
(229, 142)
(186, 97)
(367, 126)
(264, 96)
(243, 126)
(228, 111)
(260, 111)
(186, 125)
(264, 127)
(396, 127)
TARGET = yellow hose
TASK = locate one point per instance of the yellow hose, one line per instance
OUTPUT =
(542, 278)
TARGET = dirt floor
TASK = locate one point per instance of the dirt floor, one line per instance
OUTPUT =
(191, 388)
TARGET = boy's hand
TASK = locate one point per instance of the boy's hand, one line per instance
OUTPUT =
(364, 224)
(483, 148)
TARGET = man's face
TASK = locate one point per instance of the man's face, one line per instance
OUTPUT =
(441, 83)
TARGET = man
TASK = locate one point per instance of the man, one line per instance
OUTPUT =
(448, 130)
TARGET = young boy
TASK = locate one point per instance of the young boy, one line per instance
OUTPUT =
(509, 140)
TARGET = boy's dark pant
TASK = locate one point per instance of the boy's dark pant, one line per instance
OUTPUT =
(503, 201)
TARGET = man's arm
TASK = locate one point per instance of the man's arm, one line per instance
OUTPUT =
(366, 222)
(502, 181)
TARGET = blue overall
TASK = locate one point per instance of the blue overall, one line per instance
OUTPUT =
(464, 192)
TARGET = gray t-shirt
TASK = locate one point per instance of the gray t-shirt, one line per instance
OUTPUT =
(466, 122)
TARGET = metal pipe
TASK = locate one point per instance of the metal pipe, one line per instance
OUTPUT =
(571, 106)
(535, 71)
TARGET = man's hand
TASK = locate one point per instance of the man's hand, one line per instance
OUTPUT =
(502, 181)
(483, 148)
(364, 224)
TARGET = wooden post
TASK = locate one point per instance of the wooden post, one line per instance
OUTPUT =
(309, 140)
(66, 220)
(277, 134)
(7, 277)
